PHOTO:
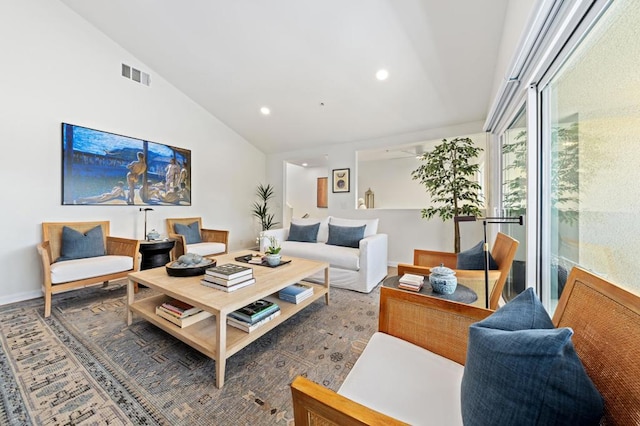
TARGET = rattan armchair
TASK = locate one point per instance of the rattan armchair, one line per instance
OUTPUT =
(605, 320)
(50, 250)
(503, 252)
(214, 241)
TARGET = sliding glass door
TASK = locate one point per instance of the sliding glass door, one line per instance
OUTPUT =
(591, 195)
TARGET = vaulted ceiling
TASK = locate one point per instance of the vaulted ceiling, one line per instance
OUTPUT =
(313, 63)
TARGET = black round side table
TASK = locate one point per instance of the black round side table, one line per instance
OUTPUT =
(155, 253)
(462, 294)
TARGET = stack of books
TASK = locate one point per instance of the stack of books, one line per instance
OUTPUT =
(411, 282)
(228, 277)
(254, 315)
(296, 293)
(180, 313)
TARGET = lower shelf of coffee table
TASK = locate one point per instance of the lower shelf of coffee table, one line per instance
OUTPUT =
(202, 334)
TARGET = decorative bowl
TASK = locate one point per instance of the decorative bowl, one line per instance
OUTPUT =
(443, 280)
(174, 269)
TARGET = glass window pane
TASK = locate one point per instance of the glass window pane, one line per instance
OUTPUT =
(514, 197)
(594, 108)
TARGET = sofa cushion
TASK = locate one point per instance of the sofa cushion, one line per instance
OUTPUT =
(323, 230)
(346, 236)
(76, 245)
(336, 256)
(303, 233)
(473, 259)
(206, 249)
(406, 382)
(78, 269)
(518, 362)
(190, 232)
(371, 224)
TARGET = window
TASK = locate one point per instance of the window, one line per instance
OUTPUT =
(514, 196)
(592, 108)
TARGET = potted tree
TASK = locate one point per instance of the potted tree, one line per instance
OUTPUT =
(448, 176)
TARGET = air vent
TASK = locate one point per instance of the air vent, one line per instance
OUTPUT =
(136, 75)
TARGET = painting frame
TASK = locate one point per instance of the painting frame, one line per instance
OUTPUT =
(104, 168)
(341, 180)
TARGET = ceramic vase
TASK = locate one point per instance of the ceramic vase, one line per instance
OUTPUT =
(273, 259)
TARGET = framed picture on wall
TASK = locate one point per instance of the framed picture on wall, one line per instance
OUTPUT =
(340, 180)
(102, 168)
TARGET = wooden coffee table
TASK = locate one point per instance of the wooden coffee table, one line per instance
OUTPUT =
(212, 336)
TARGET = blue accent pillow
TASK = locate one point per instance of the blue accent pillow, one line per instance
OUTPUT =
(191, 232)
(76, 245)
(304, 233)
(521, 370)
(346, 236)
(473, 259)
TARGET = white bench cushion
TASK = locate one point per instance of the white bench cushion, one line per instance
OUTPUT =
(78, 269)
(206, 249)
(406, 382)
(336, 256)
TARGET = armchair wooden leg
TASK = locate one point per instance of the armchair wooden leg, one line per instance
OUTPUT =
(47, 304)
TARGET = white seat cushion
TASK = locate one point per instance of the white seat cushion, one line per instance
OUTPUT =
(336, 256)
(406, 382)
(206, 249)
(78, 269)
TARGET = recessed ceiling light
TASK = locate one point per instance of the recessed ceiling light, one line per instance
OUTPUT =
(304, 164)
(265, 111)
(382, 74)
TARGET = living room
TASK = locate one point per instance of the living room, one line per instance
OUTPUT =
(62, 69)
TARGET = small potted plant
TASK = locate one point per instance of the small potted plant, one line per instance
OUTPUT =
(273, 251)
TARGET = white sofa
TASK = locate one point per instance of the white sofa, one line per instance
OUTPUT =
(359, 269)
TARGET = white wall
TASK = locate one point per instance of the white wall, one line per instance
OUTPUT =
(405, 227)
(57, 68)
(391, 183)
(302, 190)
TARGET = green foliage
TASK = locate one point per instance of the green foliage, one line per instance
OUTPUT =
(448, 176)
(261, 208)
(565, 178)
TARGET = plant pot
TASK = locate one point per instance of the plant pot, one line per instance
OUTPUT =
(273, 259)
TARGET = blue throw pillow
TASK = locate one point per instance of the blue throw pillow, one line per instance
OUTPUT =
(76, 245)
(304, 233)
(473, 259)
(346, 236)
(191, 232)
(520, 370)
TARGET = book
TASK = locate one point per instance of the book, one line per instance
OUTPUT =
(254, 311)
(296, 293)
(227, 283)
(244, 326)
(294, 299)
(229, 271)
(182, 309)
(240, 316)
(410, 287)
(411, 279)
(182, 322)
(228, 289)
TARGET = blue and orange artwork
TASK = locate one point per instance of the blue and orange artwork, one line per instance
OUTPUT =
(101, 168)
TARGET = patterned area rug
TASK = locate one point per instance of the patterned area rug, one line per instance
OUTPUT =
(84, 365)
